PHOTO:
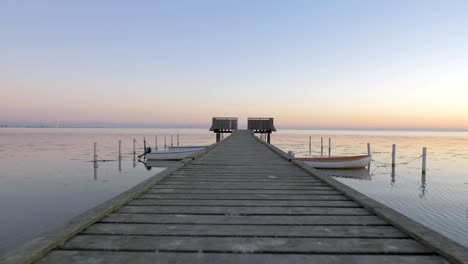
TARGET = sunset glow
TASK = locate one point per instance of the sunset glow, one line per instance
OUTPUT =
(309, 64)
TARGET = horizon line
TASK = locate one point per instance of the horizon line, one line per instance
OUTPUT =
(51, 124)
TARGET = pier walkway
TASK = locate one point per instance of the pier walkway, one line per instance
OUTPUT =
(242, 202)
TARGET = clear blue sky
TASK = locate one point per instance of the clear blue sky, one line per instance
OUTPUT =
(307, 63)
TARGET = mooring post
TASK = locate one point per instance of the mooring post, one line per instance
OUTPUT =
(172, 141)
(393, 155)
(134, 150)
(321, 146)
(165, 145)
(310, 145)
(368, 149)
(144, 145)
(424, 155)
(329, 147)
(156, 142)
(95, 153)
(177, 139)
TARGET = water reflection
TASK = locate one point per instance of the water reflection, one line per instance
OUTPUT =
(423, 186)
(120, 164)
(358, 174)
(95, 165)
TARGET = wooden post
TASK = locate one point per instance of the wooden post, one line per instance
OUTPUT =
(368, 149)
(393, 155)
(310, 145)
(134, 150)
(172, 141)
(144, 145)
(156, 142)
(177, 139)
(329, 147)
(268, 137)
(95, 152)
(165, 145)
(424, 160)
(120, 148)
(321, 146)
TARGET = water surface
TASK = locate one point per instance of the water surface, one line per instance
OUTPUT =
(46, 177)
(438, 199)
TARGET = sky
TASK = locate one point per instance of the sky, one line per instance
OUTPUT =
(309, 64)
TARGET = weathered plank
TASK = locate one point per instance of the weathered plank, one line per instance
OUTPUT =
(241, 187)
(237, 210)
(303, 197)
(116, 257)
(224, 191)
(246, 230)
(253, 203)
(246, 245)
(188, 179)
(244, 220)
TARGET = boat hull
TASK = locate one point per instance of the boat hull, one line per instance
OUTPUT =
(171, 155)
(354, 162)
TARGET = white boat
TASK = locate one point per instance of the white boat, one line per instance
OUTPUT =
(349, 162)
(171, 154)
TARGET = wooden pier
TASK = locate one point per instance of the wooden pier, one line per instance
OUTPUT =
(242, 201)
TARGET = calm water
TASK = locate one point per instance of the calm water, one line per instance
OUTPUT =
(438, 200)
(46, 177)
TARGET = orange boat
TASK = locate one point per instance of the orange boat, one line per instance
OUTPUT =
(348, 162)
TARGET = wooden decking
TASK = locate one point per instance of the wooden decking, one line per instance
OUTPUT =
(242, 203)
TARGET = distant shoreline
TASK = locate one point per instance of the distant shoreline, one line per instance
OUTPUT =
(279, 128)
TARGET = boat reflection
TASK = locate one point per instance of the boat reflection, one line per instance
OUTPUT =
(358, 174)
(160, 163)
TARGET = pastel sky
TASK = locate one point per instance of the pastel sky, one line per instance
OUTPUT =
(330, 64)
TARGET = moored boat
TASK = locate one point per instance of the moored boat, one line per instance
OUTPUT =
(348, 162)
(171, 154)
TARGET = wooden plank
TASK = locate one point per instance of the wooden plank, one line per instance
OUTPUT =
(241, 184)
(246, 174)
(244, 220)
(116, 257)
(240, 187)
(247, 245)
(248, 178)
(246, 230)
(303, 197)
(236, 210)
(230, 179)
(252, 203)
(224, 191)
